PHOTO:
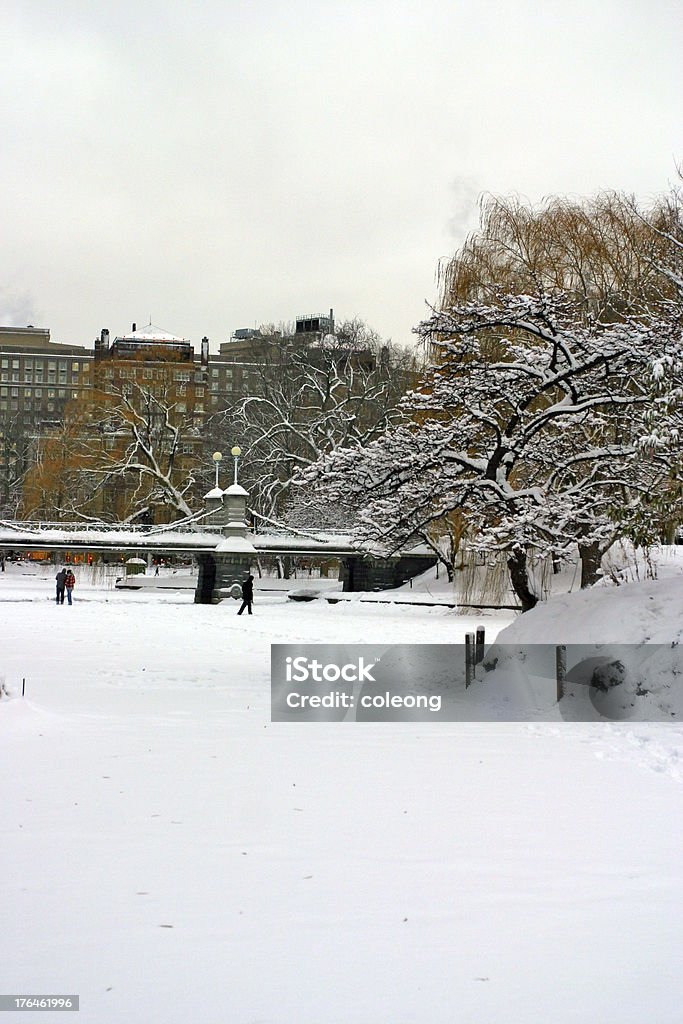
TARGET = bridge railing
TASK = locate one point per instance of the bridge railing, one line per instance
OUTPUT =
(80, 527)
(183, 524)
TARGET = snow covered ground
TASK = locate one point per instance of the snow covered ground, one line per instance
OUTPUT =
(172, 856)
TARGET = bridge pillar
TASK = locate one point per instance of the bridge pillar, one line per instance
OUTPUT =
(213, 502)
(228, 565)
(206, 578)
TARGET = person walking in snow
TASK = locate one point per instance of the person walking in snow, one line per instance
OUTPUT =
(69, 584)
(60, 578)
(247, 594)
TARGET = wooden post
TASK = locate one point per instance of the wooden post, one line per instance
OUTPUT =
(480, 640)
(469, 659)
(560, 669)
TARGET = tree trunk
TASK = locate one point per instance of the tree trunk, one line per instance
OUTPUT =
(520, 579)
(590, 555)
(447, 564)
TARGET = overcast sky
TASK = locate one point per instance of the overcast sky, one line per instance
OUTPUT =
(220, 164)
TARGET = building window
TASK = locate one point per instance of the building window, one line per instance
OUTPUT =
(74, 367)
(15, 364)
(199, 392)
(62, 393)
(14, 392)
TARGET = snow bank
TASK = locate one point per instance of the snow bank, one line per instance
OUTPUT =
(636, 613)
(624, 651)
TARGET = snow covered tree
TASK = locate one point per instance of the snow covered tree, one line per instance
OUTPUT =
(662, 427)
(309, 398)
(522, 425)
(15, 457)
(121, 454)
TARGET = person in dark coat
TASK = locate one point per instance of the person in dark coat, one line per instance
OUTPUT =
(61, 581)
(247, 594)
(69, 583)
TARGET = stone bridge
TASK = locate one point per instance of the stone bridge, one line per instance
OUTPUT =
(223, 547)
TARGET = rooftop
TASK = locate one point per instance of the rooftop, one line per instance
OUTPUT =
(154, 334)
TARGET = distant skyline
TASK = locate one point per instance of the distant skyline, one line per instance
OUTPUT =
(225, 164)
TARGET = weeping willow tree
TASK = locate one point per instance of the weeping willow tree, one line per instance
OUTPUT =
(604, 252)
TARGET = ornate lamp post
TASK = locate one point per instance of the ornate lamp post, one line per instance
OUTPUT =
(217, 456)
(235, 452)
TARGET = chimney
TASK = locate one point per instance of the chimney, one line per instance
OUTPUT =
(331, 321)
(135, 327)
(102, 343)
(205, 351)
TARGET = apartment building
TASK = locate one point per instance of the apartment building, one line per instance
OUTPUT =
(38, 378)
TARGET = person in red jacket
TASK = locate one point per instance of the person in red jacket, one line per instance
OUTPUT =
(69, 584)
